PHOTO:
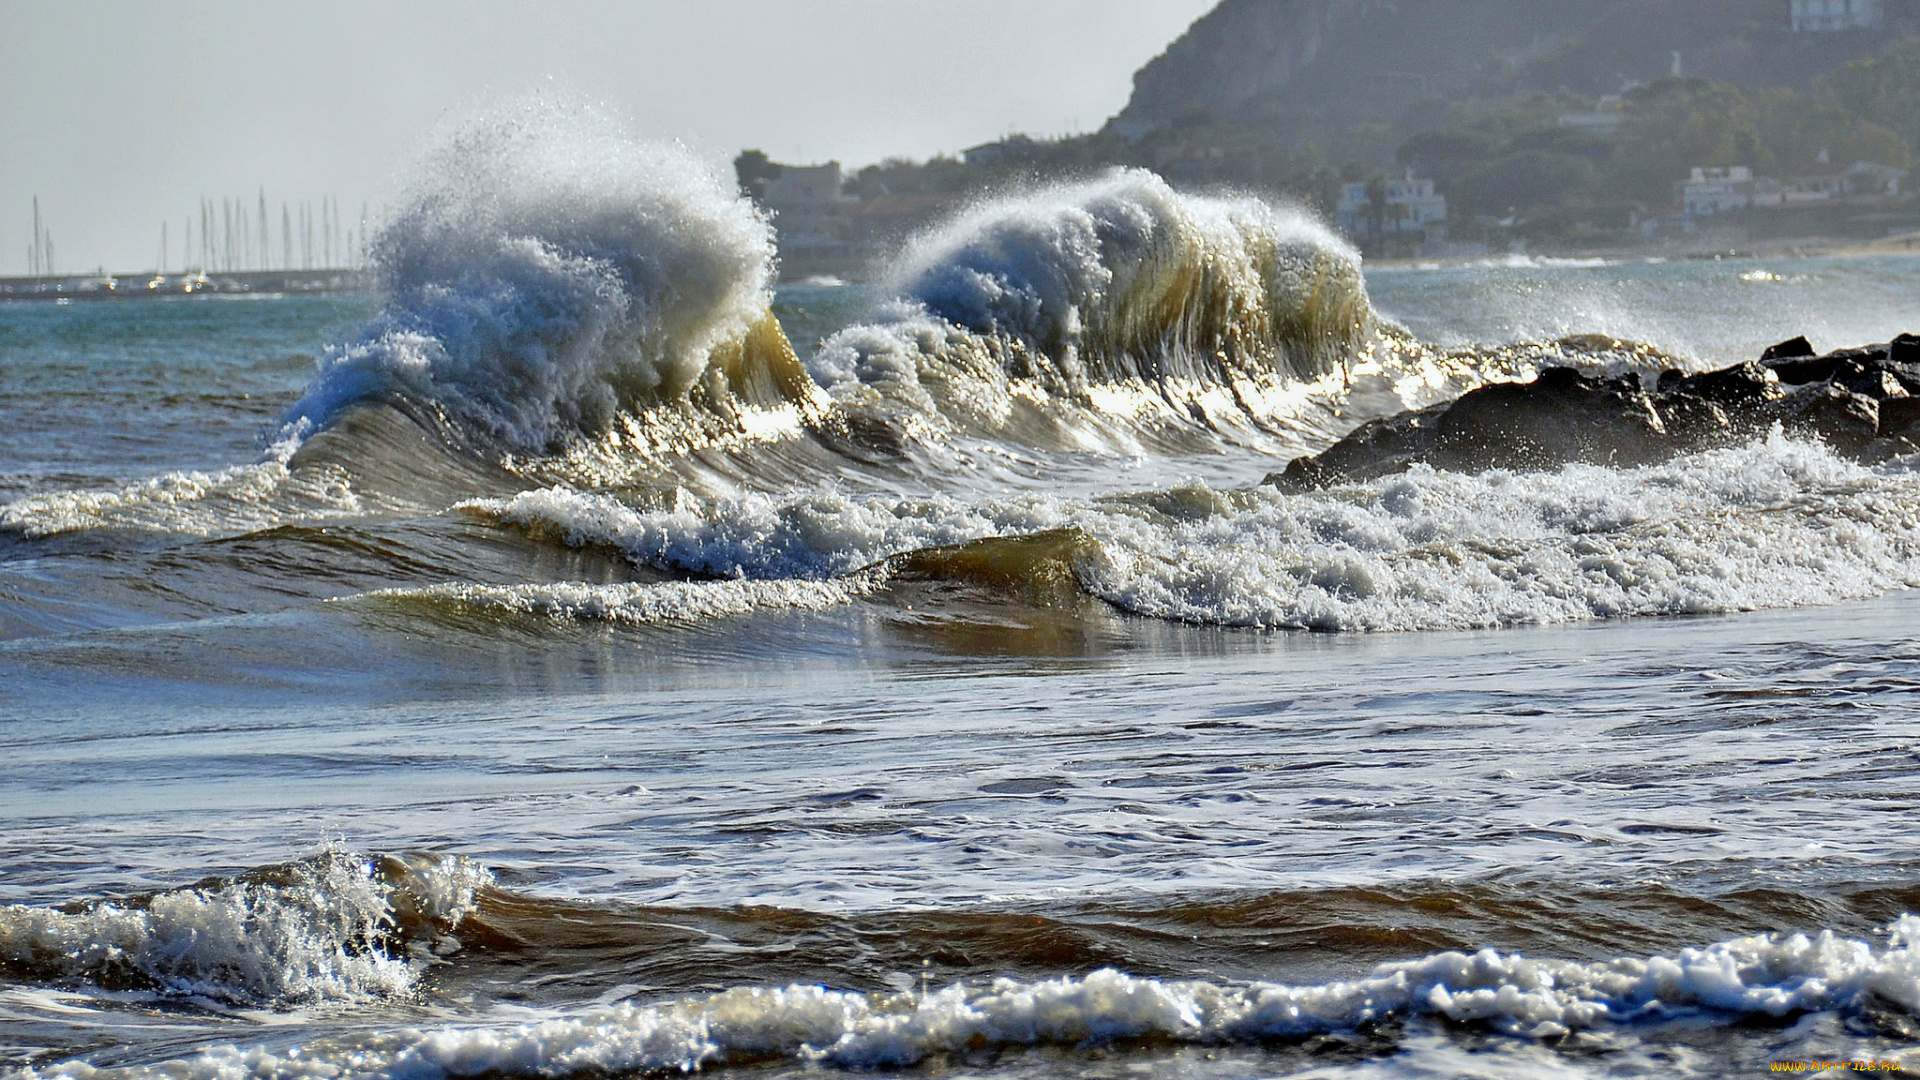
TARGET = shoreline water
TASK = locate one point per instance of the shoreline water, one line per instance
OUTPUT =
(154, 286)
(920, 693)
(135, 286)
(1798, 248)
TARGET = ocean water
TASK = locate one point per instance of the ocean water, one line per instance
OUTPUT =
(587, 659)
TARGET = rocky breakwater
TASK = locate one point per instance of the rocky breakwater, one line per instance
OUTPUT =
(1864, 402)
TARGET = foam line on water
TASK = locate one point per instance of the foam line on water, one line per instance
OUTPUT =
(809, 537)
(1772, 975)
(636, 603)
(239, 498)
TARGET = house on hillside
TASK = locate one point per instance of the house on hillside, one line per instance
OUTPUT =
(1868, 178)
(807, 191)
(1863, 181)
(1822, 183)
(1406, 205)
(1606, 117)
(1710, 190)
(1013, 149)
(811, 219)
(1831, 16)
(1715, 189)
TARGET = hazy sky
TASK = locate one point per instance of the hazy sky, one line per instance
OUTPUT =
(119, 115)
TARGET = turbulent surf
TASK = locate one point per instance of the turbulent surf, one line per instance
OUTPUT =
(909, 674)
(549, 276)
(1119, 296)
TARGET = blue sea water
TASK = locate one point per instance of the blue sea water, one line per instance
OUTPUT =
(353, 729)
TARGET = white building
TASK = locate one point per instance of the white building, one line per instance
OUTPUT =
(812, 219)
(1013, 148)
(1717, 189)
(1411, 206)
(803, 190)
(1601, 122)
(1827, 16)
(1867, 178)
(1863, 180)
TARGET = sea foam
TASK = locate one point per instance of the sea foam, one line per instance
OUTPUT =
(1777, 523)
(1773, 975)
(633, 602)
(333, 928)
(238, 498)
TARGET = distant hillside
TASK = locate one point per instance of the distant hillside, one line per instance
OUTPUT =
(1310, 69)
(1557, 123)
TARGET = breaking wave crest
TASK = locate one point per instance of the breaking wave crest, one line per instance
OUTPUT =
(586, 308)
(1768, 975)
(336, 927)
(559, 290)
(1073, 290)
(549, 276)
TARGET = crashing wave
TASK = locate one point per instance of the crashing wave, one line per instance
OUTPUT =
(1766, 975)
(549, 276)
(331, 928)
(557, 290)
(586, 308)
(1120, 281)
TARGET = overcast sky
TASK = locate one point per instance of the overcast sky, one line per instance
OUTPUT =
(119, 115)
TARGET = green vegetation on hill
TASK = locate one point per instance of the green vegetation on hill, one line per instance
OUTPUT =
(1557, 120)
(1884, 90)
(1516, 159)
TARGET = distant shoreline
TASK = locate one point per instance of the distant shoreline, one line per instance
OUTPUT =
(149, 285)
(1801, 248)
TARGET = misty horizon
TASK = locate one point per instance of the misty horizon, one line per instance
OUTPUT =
(123, 117)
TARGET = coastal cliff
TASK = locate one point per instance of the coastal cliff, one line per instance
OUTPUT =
(1309, 65)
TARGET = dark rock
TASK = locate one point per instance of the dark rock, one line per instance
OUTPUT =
(1876, 382)
(1845, 420)
(1714, 406)
(1376, 448)
(1800, 372)
(1863, 354)
(1786, 350)
(1741, 384)
(1697, 421)
(1908, 374)
(1560, 416)
(1899, 415)
(1863, 402)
